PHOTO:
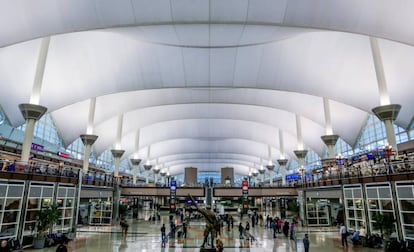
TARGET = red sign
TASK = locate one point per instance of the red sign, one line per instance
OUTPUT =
(64, 155)
(245, 185)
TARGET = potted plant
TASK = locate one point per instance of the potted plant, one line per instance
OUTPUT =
(385, 223)
(46, 217)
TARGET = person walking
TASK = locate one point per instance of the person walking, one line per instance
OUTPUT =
(343, 233)
(124, 227)
(184, 230)
(306, 243)
(241, 230)
(292, 230)
(274, 228)
(163, 236)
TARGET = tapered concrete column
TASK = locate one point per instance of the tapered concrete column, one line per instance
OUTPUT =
(163, 173)
(31, 113)
(147, 168)
(117, 154)
(270, 168)
(156, 171)
(330, 141)
(255, 173)
(282, 163)
(135, 162)
(262, 172)
(388, 114)
(301, 154)
(88, 141)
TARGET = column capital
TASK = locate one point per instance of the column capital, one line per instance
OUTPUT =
(88, 139)
(270, 167)
(282, 162)
(261, 171)
(156, 171)
(330, 139)
(387, 112)
(32, 111)
(135, 161)
(117, 153)
(300, 153)
(163, 173)
(147, 167)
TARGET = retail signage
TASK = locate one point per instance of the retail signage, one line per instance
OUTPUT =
(173, 189)
(64, 155)
(37, 147)
(245, 195)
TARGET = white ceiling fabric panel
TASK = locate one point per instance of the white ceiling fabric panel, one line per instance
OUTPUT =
(229, 10)
(204, 78)
(115, 15)
(269, 106)
(272, 11)
(17, 71)
(26, 21)
(196, 61)
(151, 11)
(190, 10)
(384, 18)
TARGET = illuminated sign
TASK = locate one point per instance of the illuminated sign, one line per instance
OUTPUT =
(64, 155)
(37, 147)
(173, 188)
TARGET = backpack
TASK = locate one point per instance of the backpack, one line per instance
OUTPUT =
(61, 248)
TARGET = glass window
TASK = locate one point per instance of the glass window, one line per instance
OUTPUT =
(409, 231)
(15, 191)
(373, 135)
(408, 218)
(33, 203)
(12, 204)
(407, 205)
(373, 204)
(405, 192)
(10, 217)
(46, 131)
(386, 205)
(202, 176)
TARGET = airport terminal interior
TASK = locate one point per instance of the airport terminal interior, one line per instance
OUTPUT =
(206, 125)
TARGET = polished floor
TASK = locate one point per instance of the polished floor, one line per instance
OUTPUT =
(145, 236)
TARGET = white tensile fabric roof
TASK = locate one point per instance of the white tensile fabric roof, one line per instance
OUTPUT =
(208, 83)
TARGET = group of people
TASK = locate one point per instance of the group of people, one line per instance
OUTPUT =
(359, 237)
(279, 226)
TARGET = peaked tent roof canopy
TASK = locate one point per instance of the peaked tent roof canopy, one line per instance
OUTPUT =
(208, 83)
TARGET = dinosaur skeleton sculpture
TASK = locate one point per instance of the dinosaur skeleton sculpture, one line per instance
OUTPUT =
(211, 223)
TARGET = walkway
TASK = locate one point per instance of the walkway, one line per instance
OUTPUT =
(145, 236)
